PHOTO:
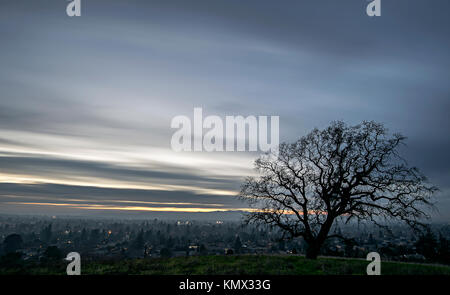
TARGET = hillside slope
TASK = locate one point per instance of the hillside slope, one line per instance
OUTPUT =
(236, 264)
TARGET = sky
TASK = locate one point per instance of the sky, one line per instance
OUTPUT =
(86, 102)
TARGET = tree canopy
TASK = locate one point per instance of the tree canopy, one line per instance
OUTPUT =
(339, 173)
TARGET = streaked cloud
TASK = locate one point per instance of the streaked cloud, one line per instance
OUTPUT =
(86, 104)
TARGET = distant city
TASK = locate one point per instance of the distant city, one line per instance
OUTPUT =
(42, 238)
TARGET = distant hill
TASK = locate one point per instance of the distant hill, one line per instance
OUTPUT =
(235, 265)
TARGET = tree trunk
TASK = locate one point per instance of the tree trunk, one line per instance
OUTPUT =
(316, 242)
(312, 250)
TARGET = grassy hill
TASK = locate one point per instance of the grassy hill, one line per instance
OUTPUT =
(238, 265)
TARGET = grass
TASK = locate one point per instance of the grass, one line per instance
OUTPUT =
(234, 265)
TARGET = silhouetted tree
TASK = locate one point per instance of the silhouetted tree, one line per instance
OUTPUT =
(94, 236)
(349, 245)
(139, 242)
(46, 233)
(12, 243)
(341, 173)
(202, 249)
(84, 235)
(237, 244)
(166, 252)
(427, 245)
(281, 245)
(444, 250)
(229, 252)
(52, 253)
(11, 260)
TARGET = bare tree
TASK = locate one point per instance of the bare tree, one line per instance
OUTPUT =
(341, 173)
